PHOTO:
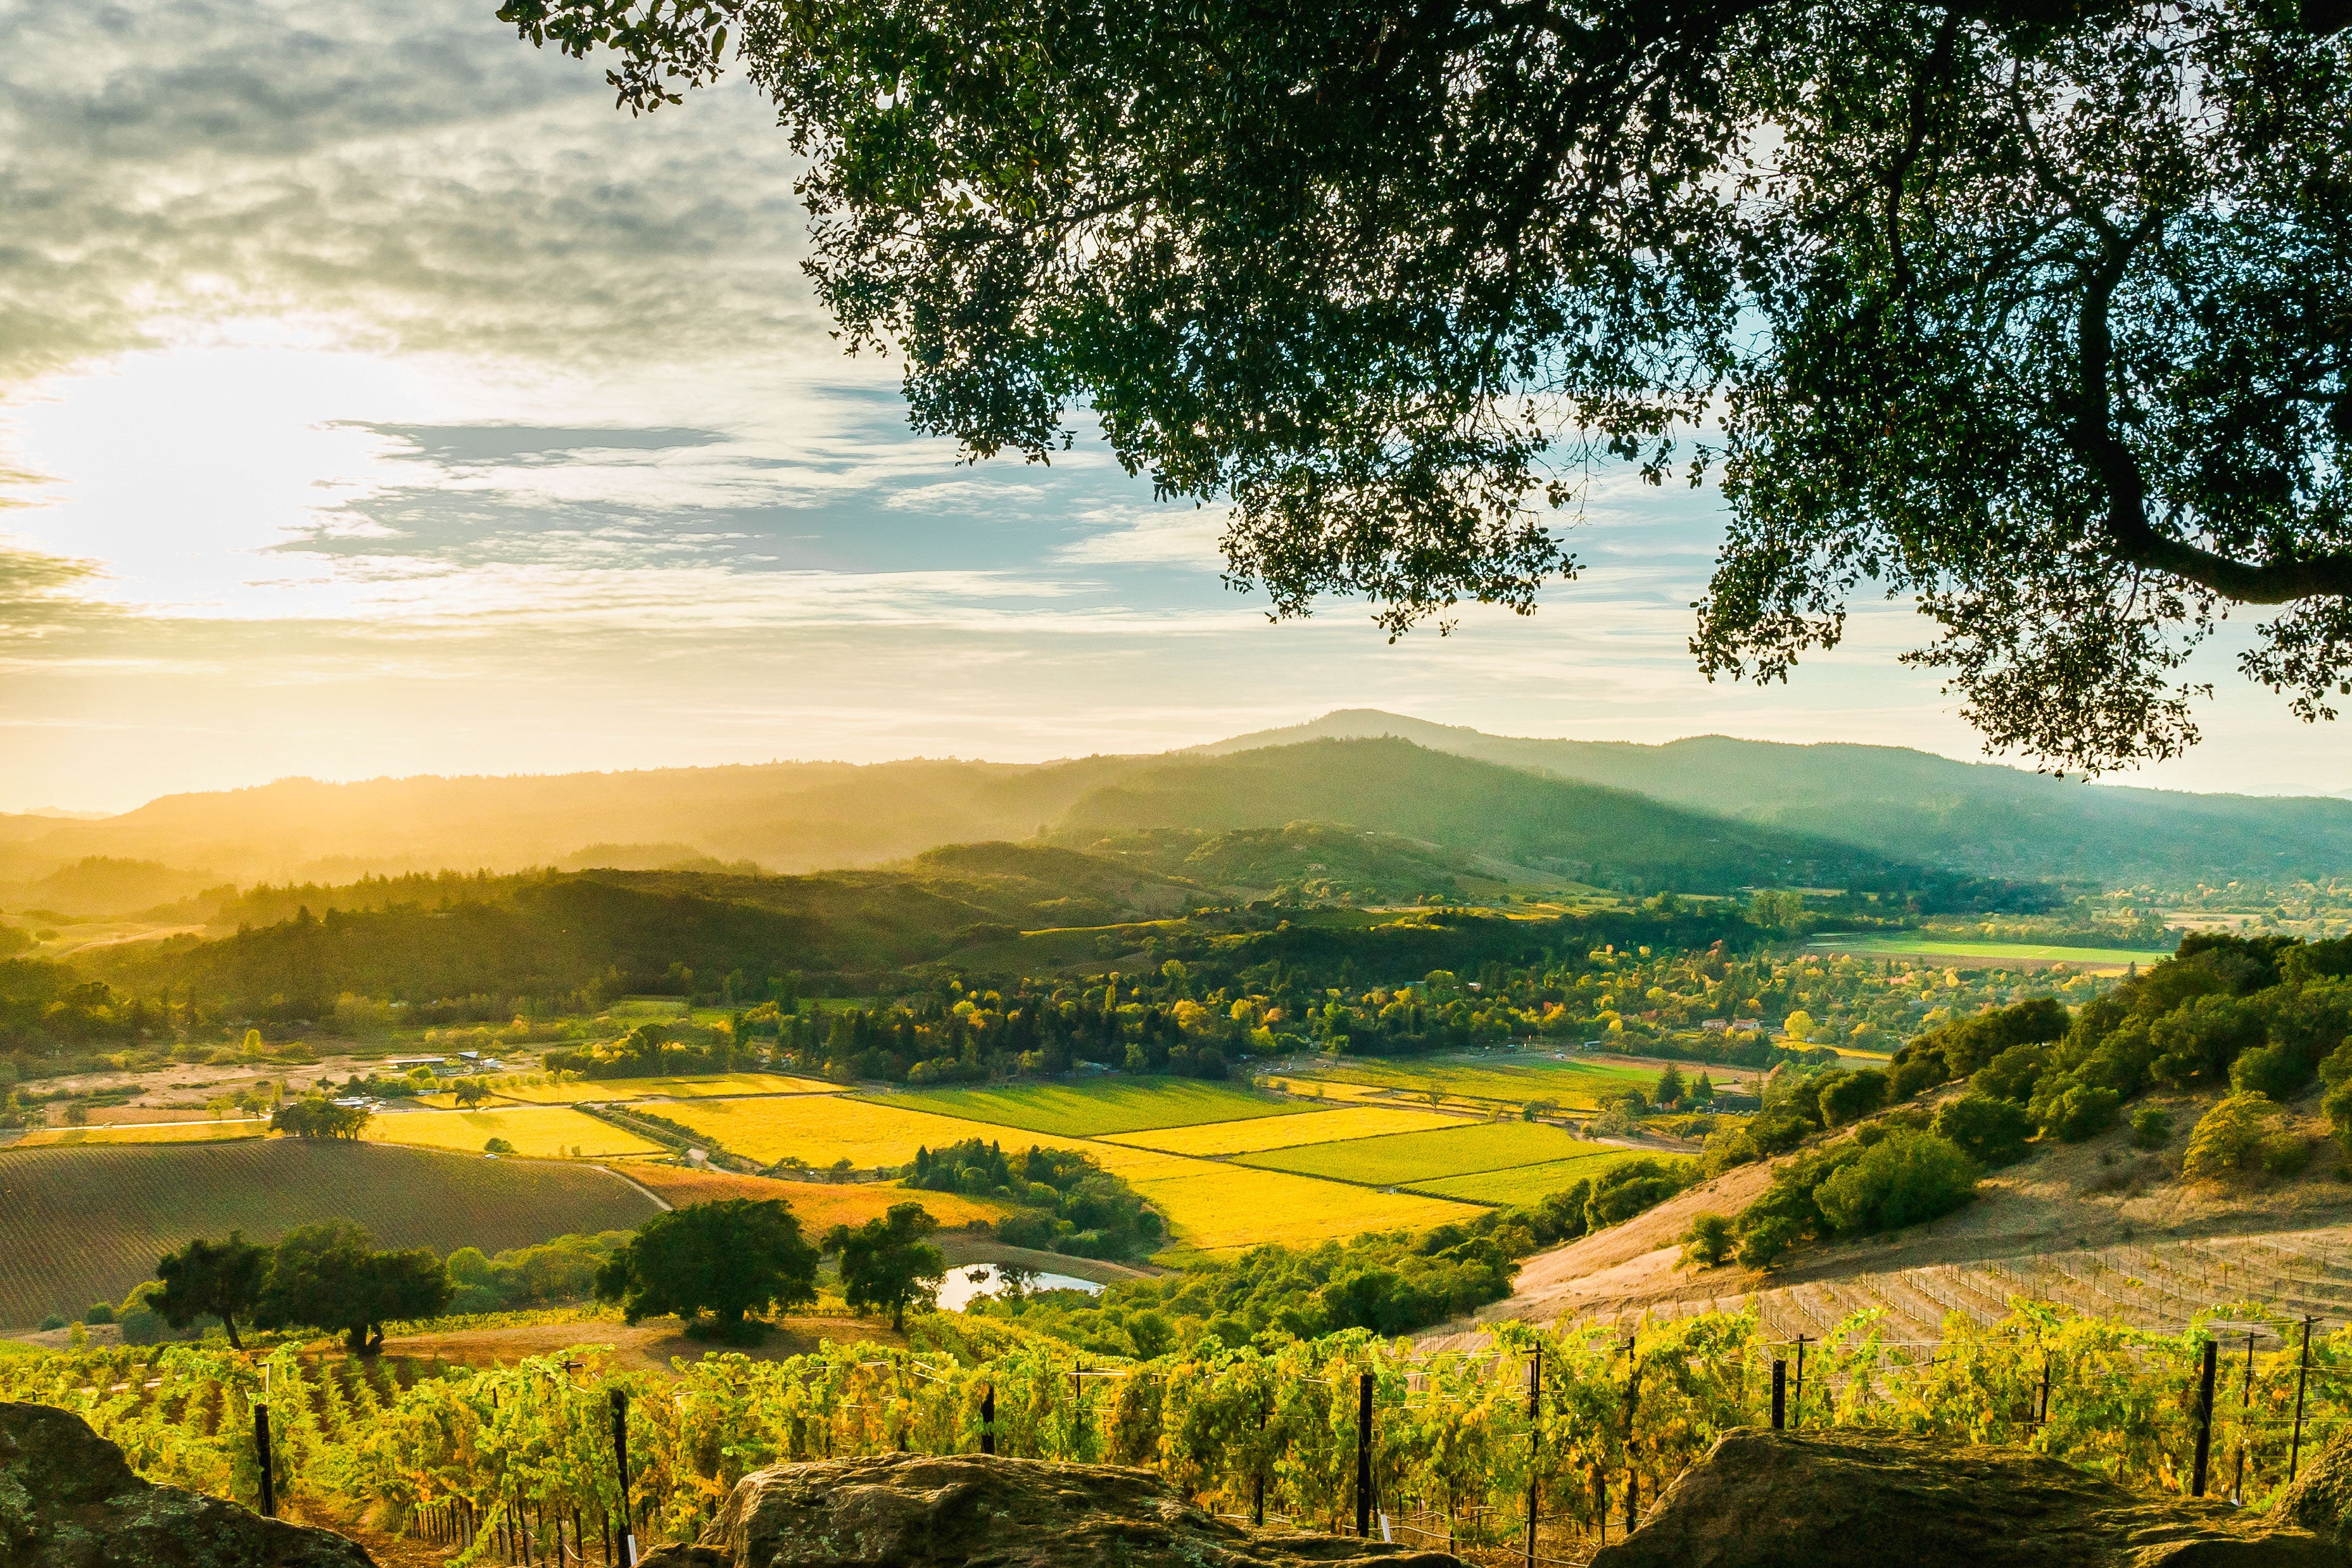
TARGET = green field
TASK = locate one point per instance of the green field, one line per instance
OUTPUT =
(1513, 1078)
(1523, 1184)
(1090, 1109)
(1417, 1158)
(83, 1225)
(1937, 947)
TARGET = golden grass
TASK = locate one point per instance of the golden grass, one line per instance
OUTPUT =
(1218, 1208)
(535, 1130)
(1419, 1158)
(821, 1129)
(716, 1085)
(820, 1206)
(176, 1132)
(1262, 1133)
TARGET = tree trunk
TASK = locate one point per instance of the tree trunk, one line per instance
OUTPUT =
(229, 1324)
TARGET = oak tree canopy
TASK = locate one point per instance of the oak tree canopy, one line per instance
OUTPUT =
(2037, 312)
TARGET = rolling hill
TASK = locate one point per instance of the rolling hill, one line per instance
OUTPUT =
(1980, 817)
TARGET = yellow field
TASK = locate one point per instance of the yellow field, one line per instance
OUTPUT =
(538, 1130)
(1338, 1093)
(1261, 1133)
(177, 1133)
(820, 1206)
(624, 1088)
(1214, 1208)
(821, 1129)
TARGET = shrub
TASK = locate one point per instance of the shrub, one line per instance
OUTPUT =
(2011, 1074)
(498, 1146)
(54, 1320)
(2277, 1071)
(99, 1312)
(2150, 1128)
(1991, 1132)
(2228, 1138)
(2285, 1154)
(1762, 1245)
(1708, 1241)
(1904, 1178)
(1847, 1097)
(2082, 1111)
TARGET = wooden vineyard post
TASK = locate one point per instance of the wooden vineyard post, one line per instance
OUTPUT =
(621, 1464)
(1535, 1442)
(2245, 1409)
(1800, 1416)
(1257, 1488)
(261, 1452)
(2043, 1418)
(1364, 1457)
(1780, 1395)
(2204, 1421)
(988, 1419)
(2302, 1373)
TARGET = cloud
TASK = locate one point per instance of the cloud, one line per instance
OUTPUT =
(1171, 535)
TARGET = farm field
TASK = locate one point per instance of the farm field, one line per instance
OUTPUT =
(821, 1129)
(820, 1206)
(1417, 1157)
(1095, 1110)
(1937, 947)
(174, 1132)
(1522, 1185)
(83, 1225)
(1515, 1079)
(716, 1085)
(542, 1132)
(1284, 1131)
(1213, 1207)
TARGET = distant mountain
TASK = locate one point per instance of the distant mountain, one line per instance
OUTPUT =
(1980, 817)
(1592, 832)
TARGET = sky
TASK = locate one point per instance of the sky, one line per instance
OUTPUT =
(381, 401)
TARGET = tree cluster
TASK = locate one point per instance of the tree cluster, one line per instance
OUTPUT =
(330, 1276)
(1068, 1202)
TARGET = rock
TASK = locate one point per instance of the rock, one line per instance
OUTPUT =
(913, 1510)
(68, 1501)
(1861, 1500)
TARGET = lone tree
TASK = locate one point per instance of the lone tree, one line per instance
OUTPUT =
(2036, 310)
(331, 1276)
(728, 1259)
(316, 1116)
(211, 1279)
(886, 1264)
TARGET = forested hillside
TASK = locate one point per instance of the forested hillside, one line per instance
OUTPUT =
(1612, 837)
(1980, 817)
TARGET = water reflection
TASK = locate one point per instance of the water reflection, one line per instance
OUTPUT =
(996, 1279)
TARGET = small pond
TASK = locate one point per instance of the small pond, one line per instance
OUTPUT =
(969, 1279)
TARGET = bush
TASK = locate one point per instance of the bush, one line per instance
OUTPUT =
(2228, 1138)
(1762, 1245)
(1904, 1178)
(2011, 1074)
(1991, 1132)
(99, 1312)
(1708, 1241)
(2277, 1071)
(2285, 1154)
(1847, 1097)
(2082, 1111)
(498, 1146)
(54, 1320)
(2150, 1128)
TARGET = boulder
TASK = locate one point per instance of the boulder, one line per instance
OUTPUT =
(912, 1510)
(68, 1501)
(1862, 1500)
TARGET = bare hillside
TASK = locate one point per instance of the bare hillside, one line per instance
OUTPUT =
(2097, 1224)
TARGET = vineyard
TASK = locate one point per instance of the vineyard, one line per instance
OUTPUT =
(1587, 1423)
(2156, 1286)
(84, 1225)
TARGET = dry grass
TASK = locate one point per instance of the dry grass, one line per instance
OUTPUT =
(821, 1129)
(1262, 1133)
(538, 1131)
(820, 1205)
(176, 1132)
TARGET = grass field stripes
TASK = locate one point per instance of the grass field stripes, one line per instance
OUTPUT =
(1994, 952)
(1510, 1079)
(169, 1133)
(821, 1129)
(1524, 1184)
(1263, 1132)
(1217, 1208)
(1094, 1109)
(543, 1132)
(83, 1225)
(718, 1086)
(1402, 1158)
